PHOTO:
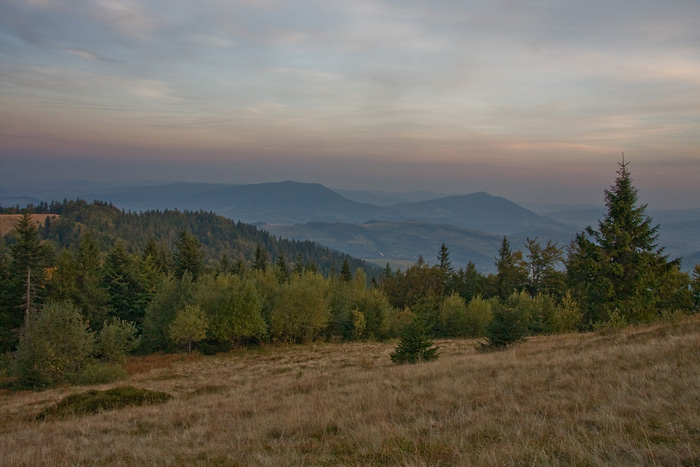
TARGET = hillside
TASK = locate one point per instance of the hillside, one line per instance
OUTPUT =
(382, 242)
(290, 203)
(8, 221)
(218, 235)
(624, 398)
(283, 202)
(479, 211)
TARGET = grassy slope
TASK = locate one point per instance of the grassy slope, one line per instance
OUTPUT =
(629, 398)
(9, 221)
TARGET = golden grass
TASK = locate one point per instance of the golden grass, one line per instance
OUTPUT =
(629, 398)
(9, 221)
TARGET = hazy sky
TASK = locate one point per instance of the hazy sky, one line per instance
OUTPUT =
(531, 100)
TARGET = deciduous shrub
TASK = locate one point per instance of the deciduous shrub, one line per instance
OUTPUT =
(188, 327)
(54, 345)
(301, 311)
(116, 340)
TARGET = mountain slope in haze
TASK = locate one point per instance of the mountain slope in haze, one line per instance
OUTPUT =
(479, 211)
(294, 202)
(279, 202)
(289, 203)
(382, 242)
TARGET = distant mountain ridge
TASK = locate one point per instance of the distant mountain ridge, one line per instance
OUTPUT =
(278, 205)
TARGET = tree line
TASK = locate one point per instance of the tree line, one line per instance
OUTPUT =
(124, 282)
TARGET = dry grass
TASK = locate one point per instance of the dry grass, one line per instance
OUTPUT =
(9, 221)
(630, 398)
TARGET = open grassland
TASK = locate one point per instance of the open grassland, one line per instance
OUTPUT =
(9, 221)
(626, 398)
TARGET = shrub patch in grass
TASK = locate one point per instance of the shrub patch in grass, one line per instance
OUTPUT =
(98, 401)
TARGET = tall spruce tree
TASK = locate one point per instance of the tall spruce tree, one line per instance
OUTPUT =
(189, 256)
(618, 268)
(511, 273)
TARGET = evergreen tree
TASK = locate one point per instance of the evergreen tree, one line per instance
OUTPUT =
(445, 268)
(188, 256)
(261, 258)
(415, 344)
(27, 264)
(444, 262)
(282, 268)
(508, 325)
(345, 272)
(24, 278)
(618, 269)
(92, 297)
(125, 292)
(511, 273)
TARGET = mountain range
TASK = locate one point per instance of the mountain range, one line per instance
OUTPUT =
(471, 225)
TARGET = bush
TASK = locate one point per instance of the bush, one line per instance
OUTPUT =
(116, 340)
(415, 345)
(507, 327)
(188, 327)
(460, 320)
(568, 317)
(302, 310)
(54, 345)
(97, 372)
(99, 401)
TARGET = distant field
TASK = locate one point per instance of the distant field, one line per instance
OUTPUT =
(8, 221)
(625, 398)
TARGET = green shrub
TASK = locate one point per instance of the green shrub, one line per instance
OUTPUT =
(301, 310)
(568, 317)
(116, 340)
(98, 401)
(188, 327)
(397, 320)
(415, 345)
(507, 327)
(465, 320)
(98, 372)
(54, 345)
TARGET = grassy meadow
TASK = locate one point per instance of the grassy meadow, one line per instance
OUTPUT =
(629, 397)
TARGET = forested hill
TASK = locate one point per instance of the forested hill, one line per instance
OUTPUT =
(218, 235)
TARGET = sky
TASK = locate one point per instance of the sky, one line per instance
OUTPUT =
(531, 100)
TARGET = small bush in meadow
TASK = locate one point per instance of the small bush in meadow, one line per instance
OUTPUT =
(98, 372)
(98, 401)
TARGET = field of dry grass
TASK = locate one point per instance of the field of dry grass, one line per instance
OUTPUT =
(628, 398)
(9, 221)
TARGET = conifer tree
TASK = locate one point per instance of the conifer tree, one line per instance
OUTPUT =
(188, 256)
(511, 273)
(345, 272)
(415, 344)
(282, 268)
(261, 258)
(618, 268)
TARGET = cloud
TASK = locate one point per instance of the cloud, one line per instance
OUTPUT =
(452, 82)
